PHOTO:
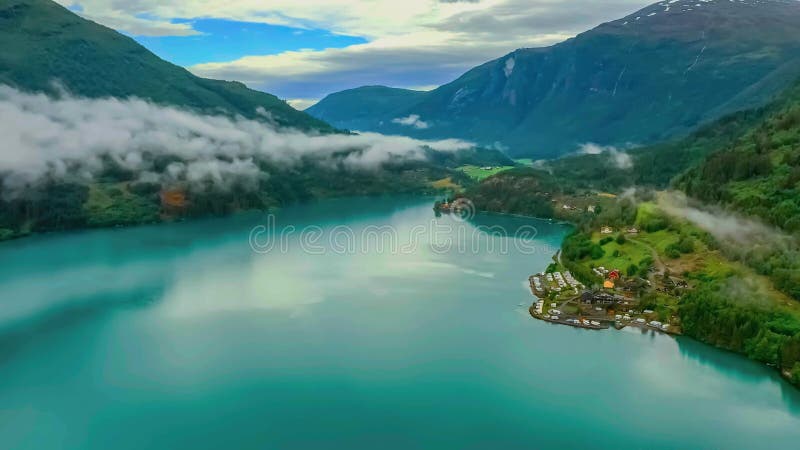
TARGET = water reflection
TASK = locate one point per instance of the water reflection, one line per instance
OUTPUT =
(428, 347)
(739, 367)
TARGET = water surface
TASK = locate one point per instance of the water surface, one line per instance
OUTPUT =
(181, 336)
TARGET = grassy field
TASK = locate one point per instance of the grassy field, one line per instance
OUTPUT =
(704, 263)
(479, 174)
(620, 256)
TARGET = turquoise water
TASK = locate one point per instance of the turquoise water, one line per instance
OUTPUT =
(181, 336)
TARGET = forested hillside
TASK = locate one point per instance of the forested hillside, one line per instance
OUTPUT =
(122, 137)
(735, 242)
(47, 48)
(758, 174)
(117, 197)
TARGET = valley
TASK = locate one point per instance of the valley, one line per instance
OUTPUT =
(612, 259)
(720, 266)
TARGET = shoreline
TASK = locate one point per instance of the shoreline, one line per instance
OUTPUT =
(524, 216)
(783, 374)
(167, 220)
(601, 318)
(605, 324)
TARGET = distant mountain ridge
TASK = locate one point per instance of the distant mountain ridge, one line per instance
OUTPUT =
(44, 43)
(652, 75)
(356, 109)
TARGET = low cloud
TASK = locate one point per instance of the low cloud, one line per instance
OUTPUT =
(412, 120)
(508, 69)
(71, 137)
(620, 159)
(721, 224)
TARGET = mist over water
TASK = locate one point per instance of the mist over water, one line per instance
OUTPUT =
(181, 336)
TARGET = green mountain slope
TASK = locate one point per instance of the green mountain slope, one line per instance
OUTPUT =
(657, 165)
(655, 74)
(747, 162)
(741, 289)
(44, 43)
(356, 109)
(47, 49)
(759, 173)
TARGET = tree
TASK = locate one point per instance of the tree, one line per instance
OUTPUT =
(672, 251)
(685, 244)
(597, 252)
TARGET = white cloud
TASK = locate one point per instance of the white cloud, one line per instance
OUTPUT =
(142, 27)
(509, 67)
(620, 159)
(424, 87)
(70, 137)
(301, 104)
(422, 59)
(410, 43)
(590, 148)
(723, 225)
(370, 19)
(412, 120)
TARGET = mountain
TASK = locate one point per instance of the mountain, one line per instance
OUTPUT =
(356, 109)
(655, 74)
(741, 173)
(46, 48)
(173, 164)
(720, 157)
(747, 161)
(758, 173)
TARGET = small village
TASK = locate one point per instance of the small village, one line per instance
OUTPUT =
(619, 278)
(564, 300)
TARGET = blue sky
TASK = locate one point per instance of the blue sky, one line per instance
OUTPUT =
(302, 50)
(221, 40)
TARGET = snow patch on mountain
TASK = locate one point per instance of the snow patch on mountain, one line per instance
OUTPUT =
(676, 7)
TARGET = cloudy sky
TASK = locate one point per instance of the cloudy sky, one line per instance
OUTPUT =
(302, 50)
